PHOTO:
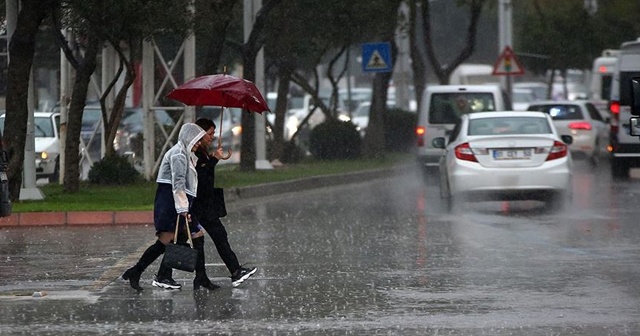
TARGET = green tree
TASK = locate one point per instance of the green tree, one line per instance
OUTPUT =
(568, 36)
(304, 34)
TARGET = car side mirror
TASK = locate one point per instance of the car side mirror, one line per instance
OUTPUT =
(567, 139)
(634, 126)
(438, 142)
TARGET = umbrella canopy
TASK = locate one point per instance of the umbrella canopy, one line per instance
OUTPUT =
(220, 90)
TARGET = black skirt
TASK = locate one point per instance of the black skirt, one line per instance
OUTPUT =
(164, 210)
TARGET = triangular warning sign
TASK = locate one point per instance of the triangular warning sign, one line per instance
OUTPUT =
(376, 61)
(508, 64)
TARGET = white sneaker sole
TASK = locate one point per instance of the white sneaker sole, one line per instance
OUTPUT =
(243, 278)
(164, 285)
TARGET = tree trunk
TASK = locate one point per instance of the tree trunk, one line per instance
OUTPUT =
(217, 35)
(74, 123)
(21, 51)
(374, 138)
(443, 72)
(277, 146)
(418, 61)
(111, 127)
(248, 149)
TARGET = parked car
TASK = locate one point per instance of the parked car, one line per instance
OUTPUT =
(443, 105)
(582, 120)
(539, 89)
(505, 155)
(360, 117)
(47, 143)
(521, 98)
(355, 97)
(130, 133)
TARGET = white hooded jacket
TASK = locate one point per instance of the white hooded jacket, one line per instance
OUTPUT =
(178, 166)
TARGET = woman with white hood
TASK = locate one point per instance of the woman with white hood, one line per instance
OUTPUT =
(177, 186)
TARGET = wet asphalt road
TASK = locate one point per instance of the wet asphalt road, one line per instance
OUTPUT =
(374, 258)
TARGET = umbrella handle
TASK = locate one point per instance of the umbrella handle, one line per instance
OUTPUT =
(228, 155)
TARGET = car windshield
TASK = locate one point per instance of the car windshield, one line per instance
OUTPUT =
(447, 108)
(560, 112)
(43, 127)
(508, 125)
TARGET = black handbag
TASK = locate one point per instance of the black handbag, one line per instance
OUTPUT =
(180, 256)
(218, 202)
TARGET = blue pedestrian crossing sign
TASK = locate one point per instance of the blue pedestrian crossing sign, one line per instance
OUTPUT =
(376, 57)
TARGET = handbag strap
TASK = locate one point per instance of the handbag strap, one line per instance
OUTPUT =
(175, 235)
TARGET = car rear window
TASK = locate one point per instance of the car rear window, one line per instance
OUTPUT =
(447, 108)
(508, 125)
(560, 112)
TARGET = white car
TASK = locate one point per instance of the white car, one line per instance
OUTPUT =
(582, 120)
(508, 155)
(47, 143)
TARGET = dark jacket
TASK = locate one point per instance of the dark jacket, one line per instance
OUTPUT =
(203, 204)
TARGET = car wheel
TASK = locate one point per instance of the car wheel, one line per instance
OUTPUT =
(594, 159)
(619, 168)
(446, 198)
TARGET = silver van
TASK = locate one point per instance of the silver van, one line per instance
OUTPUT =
(443, 105)
(624, 149)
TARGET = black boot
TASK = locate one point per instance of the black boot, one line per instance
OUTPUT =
(201, 273)
(148, 257)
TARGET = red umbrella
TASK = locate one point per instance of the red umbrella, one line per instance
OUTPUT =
(220, 90)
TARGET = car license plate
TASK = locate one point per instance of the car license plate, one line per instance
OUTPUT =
(512, 154)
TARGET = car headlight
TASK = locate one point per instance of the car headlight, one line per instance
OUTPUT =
(44, 155)
(343, 117)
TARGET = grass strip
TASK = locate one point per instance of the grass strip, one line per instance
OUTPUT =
(140, 196)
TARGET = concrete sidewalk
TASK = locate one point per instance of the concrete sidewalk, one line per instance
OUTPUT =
(231, 195)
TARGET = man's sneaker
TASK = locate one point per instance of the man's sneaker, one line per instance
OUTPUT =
(166, 283)
(241, 275)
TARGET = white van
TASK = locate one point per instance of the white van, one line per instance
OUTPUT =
(623, 147)
(601, 78)
(442, 106)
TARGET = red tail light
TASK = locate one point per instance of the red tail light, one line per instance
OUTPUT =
(580, 125)
(420, 131)
(465, 153)
(559, 150)
(614, 107)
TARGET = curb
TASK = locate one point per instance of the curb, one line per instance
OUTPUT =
(75, 218)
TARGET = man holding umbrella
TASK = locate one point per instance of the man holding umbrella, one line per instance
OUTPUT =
(205, 213)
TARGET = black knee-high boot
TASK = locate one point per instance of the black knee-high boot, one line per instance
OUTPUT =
(148, 257)
(201, 278)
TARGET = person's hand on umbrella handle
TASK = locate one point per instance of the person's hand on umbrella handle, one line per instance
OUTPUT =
(219, 153)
